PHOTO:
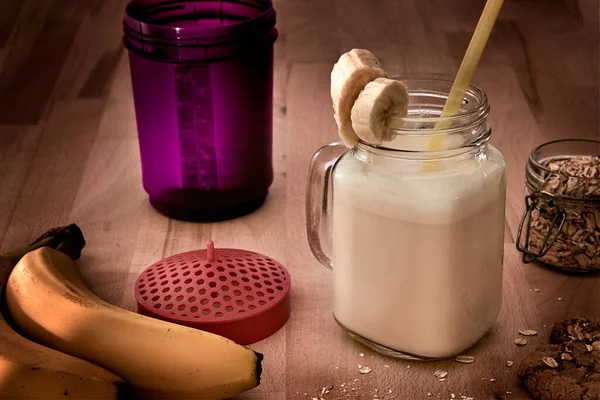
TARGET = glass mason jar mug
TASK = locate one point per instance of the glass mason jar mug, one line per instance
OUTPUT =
(413, 233)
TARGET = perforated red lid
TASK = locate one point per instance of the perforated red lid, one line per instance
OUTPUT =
(238, 294)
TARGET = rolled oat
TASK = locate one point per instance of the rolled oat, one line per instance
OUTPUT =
(577, 245)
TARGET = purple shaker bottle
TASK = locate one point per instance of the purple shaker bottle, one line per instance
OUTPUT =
(202, 77)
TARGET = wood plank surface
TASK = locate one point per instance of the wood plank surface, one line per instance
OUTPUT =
(69, 153)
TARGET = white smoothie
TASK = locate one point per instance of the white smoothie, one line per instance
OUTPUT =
(417, 257)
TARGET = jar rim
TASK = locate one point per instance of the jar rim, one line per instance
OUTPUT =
(403, 124)
(534, 153)
(535, 161)
(468, 130)
(137, 23)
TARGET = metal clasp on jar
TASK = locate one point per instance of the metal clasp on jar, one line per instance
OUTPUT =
(545, 204)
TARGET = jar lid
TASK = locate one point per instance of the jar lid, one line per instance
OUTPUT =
(238, 294)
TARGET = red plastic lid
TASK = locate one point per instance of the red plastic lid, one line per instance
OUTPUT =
(238, 294)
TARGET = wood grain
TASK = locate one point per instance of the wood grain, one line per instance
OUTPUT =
(69, 153)
(30, 84)
(9, 11)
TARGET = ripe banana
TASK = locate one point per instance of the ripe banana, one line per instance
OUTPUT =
(349, 76)
(160, 359)
(379, 100)
(31, 371)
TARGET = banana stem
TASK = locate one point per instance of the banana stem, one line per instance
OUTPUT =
(68, 239)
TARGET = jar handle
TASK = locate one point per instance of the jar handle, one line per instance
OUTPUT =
(319, 204)
(531, 203)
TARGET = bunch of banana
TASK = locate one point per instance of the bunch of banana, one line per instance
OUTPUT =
(31, 371)
(364, 97)
(50, 304)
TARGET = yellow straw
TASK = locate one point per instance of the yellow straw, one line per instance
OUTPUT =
(467, 67)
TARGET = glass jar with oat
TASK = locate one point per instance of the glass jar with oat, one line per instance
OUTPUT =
(561, 223)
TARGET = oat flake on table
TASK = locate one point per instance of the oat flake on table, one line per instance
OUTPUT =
(520, 341)
(364, 370)
(440, 374)
(528, 332)
(326, 390)
(463, 359)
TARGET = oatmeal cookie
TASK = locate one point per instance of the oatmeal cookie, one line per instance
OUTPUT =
(584, 330)
(567, 371)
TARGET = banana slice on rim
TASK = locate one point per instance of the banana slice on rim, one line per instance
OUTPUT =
(349, 76)
(379, 100)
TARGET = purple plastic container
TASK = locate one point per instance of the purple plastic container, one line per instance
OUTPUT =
(202, 76)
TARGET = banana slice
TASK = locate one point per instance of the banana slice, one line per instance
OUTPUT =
(379, 99)
(349, 76)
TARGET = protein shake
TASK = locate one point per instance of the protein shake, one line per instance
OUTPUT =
(417, 258)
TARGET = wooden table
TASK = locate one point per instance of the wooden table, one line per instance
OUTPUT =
(68, 153)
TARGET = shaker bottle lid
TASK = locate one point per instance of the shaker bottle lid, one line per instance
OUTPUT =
(238, 294)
